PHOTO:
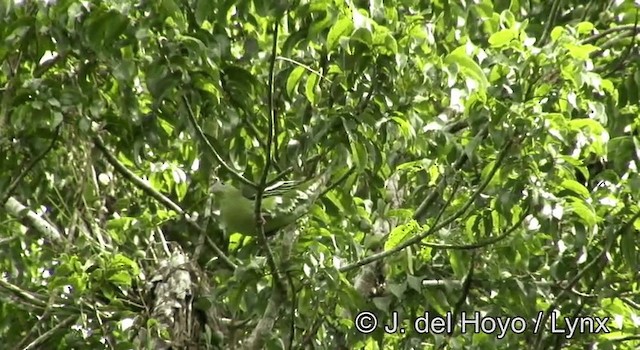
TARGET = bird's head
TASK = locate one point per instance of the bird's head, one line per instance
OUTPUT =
(218, 187)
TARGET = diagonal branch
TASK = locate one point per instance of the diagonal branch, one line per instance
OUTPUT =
(621, 28)
(30, 218)
(164, 200)
(50, 333)
(483, 243)
(422, 208)
(212, 149)
(9, 191)
(567, 288)
(413, 240)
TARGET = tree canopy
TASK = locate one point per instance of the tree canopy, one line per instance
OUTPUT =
(481, 160)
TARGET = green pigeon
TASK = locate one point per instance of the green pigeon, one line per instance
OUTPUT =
(282, 205)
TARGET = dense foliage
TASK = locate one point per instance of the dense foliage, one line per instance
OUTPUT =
(483, 157)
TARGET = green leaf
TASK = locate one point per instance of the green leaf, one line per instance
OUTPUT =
(293, 80)
(584, 211)
(414, 283)
(359, 154)
(383, 303)
(363, 35)
(556, 33)
(588, 124)
(576, 188)
(121, 278)
(240, 77)
(471, 226)
(397, 289)
(309, 89)
(584, 27)
(319, 25)
(580, 52)
(125, 70)
(391, 44)
(620, 151)
(507, 18)
(628, 247)
(204, 10)
(467, 65)
(343, 27)
(502, 37)
(401, 233)
(405, 127)
(456, 258)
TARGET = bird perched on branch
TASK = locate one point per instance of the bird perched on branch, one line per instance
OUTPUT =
(282, 205)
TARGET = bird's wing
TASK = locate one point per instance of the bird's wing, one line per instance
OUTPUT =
(281, 205)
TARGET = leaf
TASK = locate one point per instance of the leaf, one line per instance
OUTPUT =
(576, 188)
(240, 77)
(467, 65)
(507, 18)
(620, 151)
(628, 244)
(397, 289)
(414, 283)
(362, 35)
(556, 33)
(117, 23)
(309, 89)
(581, 209)
(204, 10)
(410, 260)
(359, 152)
(586, 123)
(293, 80)
(391, 44)
(414, 166)
(171, 9)
(383, 303)
(584, 27)
(405, 128)
(401, 233)
(125, 70)
(319, 25)
(580, 52)
(292, 41)
(502, 37)
(342, 27)
(437, 300)
(121, 278)
(471, 226)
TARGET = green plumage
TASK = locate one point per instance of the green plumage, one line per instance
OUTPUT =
(237, 212)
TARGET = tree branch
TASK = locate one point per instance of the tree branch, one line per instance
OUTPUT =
(212, 149)
(375, 257)
(164, 200)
